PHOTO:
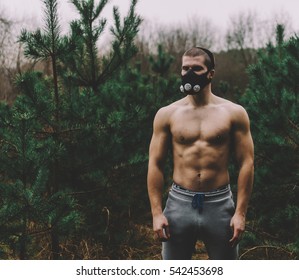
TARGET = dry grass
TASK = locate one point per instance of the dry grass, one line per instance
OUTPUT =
(140, 244)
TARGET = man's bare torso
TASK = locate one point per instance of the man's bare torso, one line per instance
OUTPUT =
(201, 138)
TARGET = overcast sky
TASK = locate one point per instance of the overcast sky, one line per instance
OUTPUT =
(170, 12)
(166, 11)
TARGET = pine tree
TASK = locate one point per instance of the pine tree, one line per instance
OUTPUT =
(130, 102)
(162, 64)
(91, 67)
(76, 142)
(272, 102)
(57, 141)
(29, 206)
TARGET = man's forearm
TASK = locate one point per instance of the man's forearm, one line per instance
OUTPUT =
(155, 182)
(245, 184)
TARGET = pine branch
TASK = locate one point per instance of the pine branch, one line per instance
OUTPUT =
(99, 9)
(293, 125)
(52, 27)
(124, 36)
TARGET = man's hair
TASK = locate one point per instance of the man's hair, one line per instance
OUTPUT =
(198, 51)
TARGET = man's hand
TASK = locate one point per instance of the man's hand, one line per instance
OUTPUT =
(161, 228)
(237, 224)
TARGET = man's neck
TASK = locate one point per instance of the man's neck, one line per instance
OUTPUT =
(202, 98)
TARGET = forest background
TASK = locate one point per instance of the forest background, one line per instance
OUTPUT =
(76, 119)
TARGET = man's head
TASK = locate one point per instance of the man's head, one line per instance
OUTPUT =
(209, 59)
(197, 70)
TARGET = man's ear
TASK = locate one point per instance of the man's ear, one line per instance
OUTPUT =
(211, 74)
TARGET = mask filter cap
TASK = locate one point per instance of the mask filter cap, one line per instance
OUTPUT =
(187, 87)
(196, 88)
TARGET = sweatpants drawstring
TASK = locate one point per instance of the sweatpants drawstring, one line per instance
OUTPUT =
(197, 201)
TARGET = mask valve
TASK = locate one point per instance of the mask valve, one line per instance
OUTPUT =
(196, 88)
(187, 87)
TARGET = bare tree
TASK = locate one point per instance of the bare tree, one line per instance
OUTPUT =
(247, 32)
(176, 38)
(242, 34)
(270, 26)
(173, 38)
(202, 32)
(6, 42)
(12, 60)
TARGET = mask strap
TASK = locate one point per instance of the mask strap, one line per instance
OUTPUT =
(210, 55)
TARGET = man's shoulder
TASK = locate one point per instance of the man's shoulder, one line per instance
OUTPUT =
(231, 107)
(236, 112)
(169, 109)
(164, 114)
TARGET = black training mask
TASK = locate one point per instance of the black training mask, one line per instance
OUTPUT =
(193, 83)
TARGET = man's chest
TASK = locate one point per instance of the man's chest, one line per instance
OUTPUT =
(211, 126)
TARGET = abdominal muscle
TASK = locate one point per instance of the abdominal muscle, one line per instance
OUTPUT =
(200, 167)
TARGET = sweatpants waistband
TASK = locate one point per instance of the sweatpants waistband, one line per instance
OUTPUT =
(216, 194)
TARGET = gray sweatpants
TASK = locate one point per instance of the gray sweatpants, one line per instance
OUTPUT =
(199, 215)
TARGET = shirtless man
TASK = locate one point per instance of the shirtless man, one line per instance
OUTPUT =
(203, 130)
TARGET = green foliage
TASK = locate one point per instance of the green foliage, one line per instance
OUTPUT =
(128, 105)
(249, 239)
(163, 62)
(89, 66)
(272, 103)
(29, 151)
(75, 143)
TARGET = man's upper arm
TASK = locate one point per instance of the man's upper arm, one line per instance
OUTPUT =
(243, 143)
(160, 139)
